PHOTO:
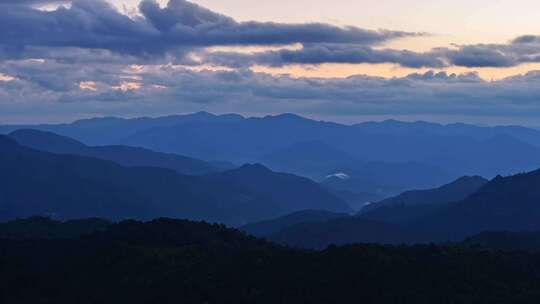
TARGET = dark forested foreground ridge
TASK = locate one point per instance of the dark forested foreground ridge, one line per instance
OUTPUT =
(174, 261)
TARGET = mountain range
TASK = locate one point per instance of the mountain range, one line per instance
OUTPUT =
(453, 212)
(504, 204)
(415, 204)
(44, 173)
(457, 149)
(73, 186)
(123, 155)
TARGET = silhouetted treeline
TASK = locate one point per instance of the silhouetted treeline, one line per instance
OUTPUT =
(173, 261)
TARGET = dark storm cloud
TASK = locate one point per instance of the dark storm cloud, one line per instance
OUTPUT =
(32, 2)
(176, 29)
(86, 24)
(327, 53)
(197, 25)
(526, 39)
(523, 49)
(481, 56)
(182, 27)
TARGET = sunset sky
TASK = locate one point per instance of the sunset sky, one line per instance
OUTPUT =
(341, 60)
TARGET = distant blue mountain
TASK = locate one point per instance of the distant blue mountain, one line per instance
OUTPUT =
(458, 149)
(509, 204)
(386, 179)
(72, 186)
(112, 130)
(504, 204)
(123, 155)
(289, 192)
(412, 205)
(313, 158)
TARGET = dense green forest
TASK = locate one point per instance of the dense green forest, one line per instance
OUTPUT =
(176, 261)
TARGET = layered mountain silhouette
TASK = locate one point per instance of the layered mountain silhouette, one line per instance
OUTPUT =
(357, 200)
(289, 192)
(112, 130)
(458, 149)
(123, 155)
(71, 186)
(273, 226)
(341, 171)
(412, 205)
(48, 174)
(314, 159)
(386, 179)
(504, 204)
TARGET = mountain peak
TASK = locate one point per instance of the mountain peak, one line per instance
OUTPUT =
(254, 168)
(203, 114)
(286, 116)
(468, 178)
(46, 141)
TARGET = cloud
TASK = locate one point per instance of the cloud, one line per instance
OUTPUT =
(196, 25)
(59, 89)
(327, 53)
(481, 56)
(89, 59)
(95, 30)
(175, 30)
(32, 2)
(523, 49)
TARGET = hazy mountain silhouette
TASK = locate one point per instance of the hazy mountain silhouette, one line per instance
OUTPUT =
(111, 130)
(269, 227)
(459, 149)
(245, 140)
(314, 159)
(412, 205)
(528, 135)
(504, 204)
(357, 200)
(386, 179)
(70, 186)
(123, 155)
(288, 192)
(326, 163)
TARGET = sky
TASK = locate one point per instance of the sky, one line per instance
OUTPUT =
(344, 60)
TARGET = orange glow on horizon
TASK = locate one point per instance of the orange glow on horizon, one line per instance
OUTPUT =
(331, 70)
